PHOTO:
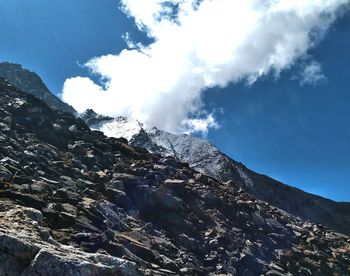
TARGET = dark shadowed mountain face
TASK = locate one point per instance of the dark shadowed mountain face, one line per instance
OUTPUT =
(31, 83)
(75, 202)
(207, 159)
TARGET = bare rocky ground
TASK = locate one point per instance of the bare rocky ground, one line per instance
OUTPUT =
(209, 160)
(198, 153)
(74, 202)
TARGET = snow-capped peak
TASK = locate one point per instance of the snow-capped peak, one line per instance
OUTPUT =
(198, 153)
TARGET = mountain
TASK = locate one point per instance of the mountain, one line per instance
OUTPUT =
(91, 118)
(75, 202)
(201, 155)
(207, 159)
(31, 83)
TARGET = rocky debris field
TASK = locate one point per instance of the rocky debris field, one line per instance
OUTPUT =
(209, 160)
(74, 202)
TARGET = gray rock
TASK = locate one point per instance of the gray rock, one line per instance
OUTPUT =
(116, 184)
(24, 252)
(15, 255)
(4, 127)
(73, 128)
(34, 214)
(168, 263)
(167, 201)
(5, 175)
(175, 183)
(75, 265)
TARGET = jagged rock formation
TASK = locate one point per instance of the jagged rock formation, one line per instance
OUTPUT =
(207, 159)
(91, 118)
(31, 83)
(75, 202)
(27, 248)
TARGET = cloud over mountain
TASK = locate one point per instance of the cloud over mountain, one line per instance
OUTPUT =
(198, 45)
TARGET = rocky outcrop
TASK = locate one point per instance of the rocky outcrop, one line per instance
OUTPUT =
(207, 159)
(31, 83)
(27, 248)
(91, 118)
(75, 202)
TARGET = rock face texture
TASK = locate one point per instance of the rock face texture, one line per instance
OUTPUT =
(27, 248)
(75, 202)
(199, 154)
(207, 159)
(91, 118)
(31, 83)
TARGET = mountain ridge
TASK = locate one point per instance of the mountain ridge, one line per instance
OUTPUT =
(31, 82)
(200, 154)
(207, 159)
(87, 204)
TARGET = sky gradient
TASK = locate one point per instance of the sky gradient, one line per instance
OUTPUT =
(298, 134)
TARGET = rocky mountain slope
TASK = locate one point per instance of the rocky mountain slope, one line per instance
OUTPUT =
(207, 159)
(200, 154)
(31, 83)
(75, 202)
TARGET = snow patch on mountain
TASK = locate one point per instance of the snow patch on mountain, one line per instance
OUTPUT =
(120, 127)
(198, 153)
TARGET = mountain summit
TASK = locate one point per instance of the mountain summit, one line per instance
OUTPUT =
(198, 153)
(75, 202)
(209, 160)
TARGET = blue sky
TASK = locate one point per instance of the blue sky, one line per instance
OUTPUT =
(297, 134)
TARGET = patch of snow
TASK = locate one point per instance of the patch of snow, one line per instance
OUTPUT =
(121, 127)
(198, 153)
(246, 179)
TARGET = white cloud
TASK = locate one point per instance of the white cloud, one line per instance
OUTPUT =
(200, 125)
(195, 48)
(312, 74)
